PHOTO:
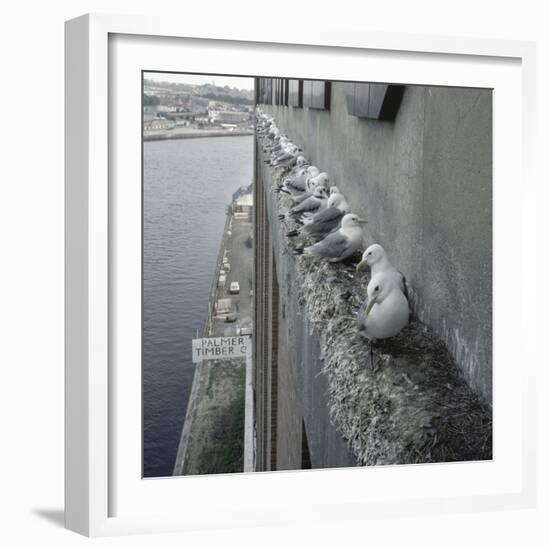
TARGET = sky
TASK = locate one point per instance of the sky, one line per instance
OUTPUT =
(241, 83)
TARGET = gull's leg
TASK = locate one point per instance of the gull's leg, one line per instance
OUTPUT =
(374, 359)
(371, 355)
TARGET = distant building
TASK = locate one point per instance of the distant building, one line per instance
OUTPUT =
(243, 202)
(228, 117)
(149, 112)
(242, 190)
(242, 207)
(158, 124)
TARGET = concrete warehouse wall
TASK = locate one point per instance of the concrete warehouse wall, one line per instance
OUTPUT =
(291, 396)
(424, 182)
(320, 401)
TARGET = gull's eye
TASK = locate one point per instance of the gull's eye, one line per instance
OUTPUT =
(376, 288)
(369, 254)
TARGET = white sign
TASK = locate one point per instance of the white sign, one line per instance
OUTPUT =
(223, 347)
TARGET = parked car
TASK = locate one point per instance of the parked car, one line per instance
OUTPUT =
(231, 318)
(234, 288)
(244, 331)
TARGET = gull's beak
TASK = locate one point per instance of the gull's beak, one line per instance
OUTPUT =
(370, 305)
(362, 221)
(361, 265)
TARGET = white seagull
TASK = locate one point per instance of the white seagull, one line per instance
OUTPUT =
(339, 245)
(318, 179)
(376, 258)
(295, 183)
(385, 312)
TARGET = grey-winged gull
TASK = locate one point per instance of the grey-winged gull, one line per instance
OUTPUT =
(321, 182)
(311, 204)
(326, 221)
(339, 245)
(296, 183)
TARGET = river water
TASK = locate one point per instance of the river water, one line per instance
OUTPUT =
(187, 184)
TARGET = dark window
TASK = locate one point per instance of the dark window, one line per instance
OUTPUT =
(306, 92)
(295, 93)
(316, 94)
(265, 91)
(281, 91)
(375, 101)
(274, 91)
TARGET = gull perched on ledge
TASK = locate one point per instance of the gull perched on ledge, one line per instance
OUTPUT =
(316, 180)
(326, 221)
(295, 185)
(376, 258)
(339, 245)
(385, 312)
(311, 204)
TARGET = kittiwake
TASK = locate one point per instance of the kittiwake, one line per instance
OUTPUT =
(339, 245)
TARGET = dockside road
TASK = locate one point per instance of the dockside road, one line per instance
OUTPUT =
(239, 255)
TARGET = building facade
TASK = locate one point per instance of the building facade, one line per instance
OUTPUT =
(416, 162)
(228, 117)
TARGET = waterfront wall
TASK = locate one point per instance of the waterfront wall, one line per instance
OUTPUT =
(200, 376)
(424, 182)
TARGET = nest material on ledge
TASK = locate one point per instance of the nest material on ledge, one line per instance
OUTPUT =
(412, 405)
